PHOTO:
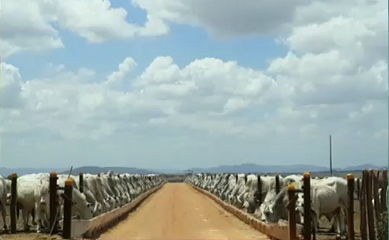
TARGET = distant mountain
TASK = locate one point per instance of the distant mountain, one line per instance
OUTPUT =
(254, 168)
(85, 169)
(242, 168)
(95, 170)
(22, 171)
(363, 167)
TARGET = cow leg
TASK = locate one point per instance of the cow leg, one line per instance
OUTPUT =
(25, 220)
(33, 215)
(334, 224)
(342, 223)
(2, 208)
(315, 221)
(38, 212)
(338, 225)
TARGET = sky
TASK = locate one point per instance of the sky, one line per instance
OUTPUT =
(174, 84)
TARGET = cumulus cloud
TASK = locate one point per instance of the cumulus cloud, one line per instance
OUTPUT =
(10, 86)
(34, 26)
(98, 21)
(215, 16)
(26, 27)
(333, 80)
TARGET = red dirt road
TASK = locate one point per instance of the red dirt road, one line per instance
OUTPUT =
(177, 211)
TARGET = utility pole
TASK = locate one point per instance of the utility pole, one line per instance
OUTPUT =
(330, 155)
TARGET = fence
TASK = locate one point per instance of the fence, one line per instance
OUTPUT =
(373, 222)
(372, 217)
(373, 205)
(70, 227)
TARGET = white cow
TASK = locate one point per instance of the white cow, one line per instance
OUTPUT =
(325, 201)
(33, 193)
(5, 189)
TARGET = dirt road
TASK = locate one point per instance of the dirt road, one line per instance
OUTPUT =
(179, 212)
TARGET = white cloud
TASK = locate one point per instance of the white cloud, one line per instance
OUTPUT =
(10, 86)
(98, 21)
(215, 16)
(125, 68)
(208, 96)
(33, 26)
(25, 27)
(333, 80)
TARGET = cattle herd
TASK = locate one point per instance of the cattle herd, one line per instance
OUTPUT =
(101, 193)
(329, 196)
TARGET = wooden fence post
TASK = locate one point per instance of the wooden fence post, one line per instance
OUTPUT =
(259, 189)
(81, 182)
(362, 205)
(384, 203)
(377, 203)
(67, 210)
(14, 197)
(358, 188)
(53, 203)
(370, 211)
(292, 212)
(350, 220)
(307, 206)
(278, 187)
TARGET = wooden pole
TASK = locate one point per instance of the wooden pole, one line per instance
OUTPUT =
(259, 189)
(14, 197)
(53, 203)
(278, 186)
(292, 212)
(362, 205)
(384, 203)
(307, 206)
(350, 212)
(358, 187)
(67, 211)
(81, 180)
(377, 203)
(370, 212)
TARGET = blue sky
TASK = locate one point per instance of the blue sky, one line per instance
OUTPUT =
(178, 84)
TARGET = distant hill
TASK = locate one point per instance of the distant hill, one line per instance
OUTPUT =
(363, 167)
(22, 171)
(86, 169)
(254, 168)
(241, 168)
(95, 170)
